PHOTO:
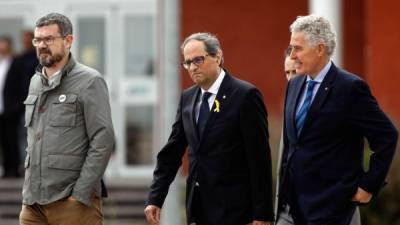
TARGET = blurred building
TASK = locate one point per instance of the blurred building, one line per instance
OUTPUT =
(135, 44)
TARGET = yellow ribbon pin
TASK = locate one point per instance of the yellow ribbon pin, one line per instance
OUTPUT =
(216, 106)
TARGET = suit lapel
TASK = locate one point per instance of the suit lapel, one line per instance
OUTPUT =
(292, 102)
(320, 97)
(193, 123)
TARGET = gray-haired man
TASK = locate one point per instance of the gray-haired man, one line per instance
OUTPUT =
(328, 113)
(70, 133)
(223, 120)
(284, 217)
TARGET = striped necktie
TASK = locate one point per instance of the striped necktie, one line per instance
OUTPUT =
(301, 115)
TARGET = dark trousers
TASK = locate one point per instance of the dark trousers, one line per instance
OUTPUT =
(9, 144)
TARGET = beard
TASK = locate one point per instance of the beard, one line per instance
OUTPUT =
(48, 59)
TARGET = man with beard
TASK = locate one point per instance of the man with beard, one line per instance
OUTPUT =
(70, 133)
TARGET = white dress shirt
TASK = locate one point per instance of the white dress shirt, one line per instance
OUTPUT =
(319, 78)
(4, 67)
(213, 90)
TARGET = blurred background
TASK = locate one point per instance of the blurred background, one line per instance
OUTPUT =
(135, 45)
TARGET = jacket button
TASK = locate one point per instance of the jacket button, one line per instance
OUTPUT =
(38, 136)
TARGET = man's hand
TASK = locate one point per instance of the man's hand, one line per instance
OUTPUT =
(362, 196)
(256, 222)
(152, 213)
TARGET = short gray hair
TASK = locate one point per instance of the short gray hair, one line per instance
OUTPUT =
(317, 30)
(211, 43)
(63, 23)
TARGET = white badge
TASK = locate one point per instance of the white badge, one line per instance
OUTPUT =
(62, 98)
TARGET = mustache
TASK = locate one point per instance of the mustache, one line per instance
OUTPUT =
(44, 50)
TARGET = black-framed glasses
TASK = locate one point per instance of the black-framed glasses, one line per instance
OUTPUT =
(198, 60)
(49, 40)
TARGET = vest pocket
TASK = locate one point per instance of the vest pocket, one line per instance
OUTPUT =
(63, 114)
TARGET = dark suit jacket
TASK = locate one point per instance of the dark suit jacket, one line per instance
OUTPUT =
(326, 160)
(15, 89)
(30, 61)
(231, 161)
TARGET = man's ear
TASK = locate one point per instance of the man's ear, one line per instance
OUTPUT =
(69, 39)
(219, 57)
(321, 49)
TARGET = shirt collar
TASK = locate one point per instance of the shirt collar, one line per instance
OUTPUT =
(52, 79)
(217, 83)
(321, 75)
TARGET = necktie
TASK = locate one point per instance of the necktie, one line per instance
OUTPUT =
(301, 115)
(203, 112)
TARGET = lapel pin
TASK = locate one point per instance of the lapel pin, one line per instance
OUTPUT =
(326, 88)
(62, 98)
(224, 97)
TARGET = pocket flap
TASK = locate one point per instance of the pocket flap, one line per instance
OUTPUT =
(30, 100)
(65, 162)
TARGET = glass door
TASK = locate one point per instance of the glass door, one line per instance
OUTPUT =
(118, 39)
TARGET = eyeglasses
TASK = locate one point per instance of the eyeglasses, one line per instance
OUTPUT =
(46, 40)
(198, 60)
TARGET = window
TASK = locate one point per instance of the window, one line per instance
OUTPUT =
(139, 43)
(91, 42)
(139, 135)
